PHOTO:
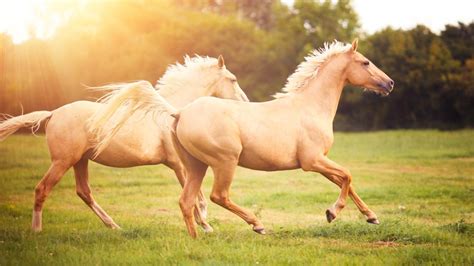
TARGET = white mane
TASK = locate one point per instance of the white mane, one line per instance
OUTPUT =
(308, 69)
(125, 99)
(178, 75)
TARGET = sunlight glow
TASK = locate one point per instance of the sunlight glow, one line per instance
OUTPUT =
(23, 19)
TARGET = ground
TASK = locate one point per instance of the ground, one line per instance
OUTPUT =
(420, 184)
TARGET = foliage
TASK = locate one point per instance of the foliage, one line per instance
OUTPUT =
(262, 42)
(428, 83)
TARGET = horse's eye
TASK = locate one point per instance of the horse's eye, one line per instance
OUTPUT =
(233, 80)
(366, 63)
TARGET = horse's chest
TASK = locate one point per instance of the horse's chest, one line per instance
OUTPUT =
(317, 138)
(273, 151)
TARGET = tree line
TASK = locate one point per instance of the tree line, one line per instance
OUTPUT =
(262, 41)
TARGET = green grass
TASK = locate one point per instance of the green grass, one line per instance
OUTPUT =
(420, 184)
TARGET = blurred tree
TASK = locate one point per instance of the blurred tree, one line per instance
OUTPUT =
(259, 12)
(460, 40)
(262, 42)
(27, 78)
(6, 49)
(326, 20)
(421, 65)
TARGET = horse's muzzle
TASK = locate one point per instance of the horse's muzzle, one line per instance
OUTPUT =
(386, 87)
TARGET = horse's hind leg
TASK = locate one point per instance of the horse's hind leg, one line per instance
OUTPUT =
(223, 175)
(187, 202)
(200, 210)
(44, 187)
(83, 190)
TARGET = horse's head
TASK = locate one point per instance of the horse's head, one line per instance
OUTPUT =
(226, 85)
(363, 73)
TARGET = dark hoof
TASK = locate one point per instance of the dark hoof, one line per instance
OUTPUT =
(330, 216)
(260, 231)
(373, 221)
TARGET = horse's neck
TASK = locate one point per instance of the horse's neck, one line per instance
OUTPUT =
(323, 93)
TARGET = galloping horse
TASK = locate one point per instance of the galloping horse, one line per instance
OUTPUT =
(72, 139)
(293, 131)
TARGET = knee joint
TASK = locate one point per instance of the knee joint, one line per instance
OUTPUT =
(347, 176)
(84, 196)
(219, 199)
(186, 208)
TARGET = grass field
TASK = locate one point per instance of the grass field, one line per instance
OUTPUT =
(420, 184)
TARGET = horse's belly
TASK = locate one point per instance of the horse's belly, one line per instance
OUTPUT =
(131, 148)
(264, 148)
(268, 159)
(119, 156)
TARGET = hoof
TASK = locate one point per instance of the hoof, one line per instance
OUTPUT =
(373, 221)
(114, 226)
(260, 231)
(36, 223)
(208, 229)
(330, 216)
(36, 229)
(193, 234)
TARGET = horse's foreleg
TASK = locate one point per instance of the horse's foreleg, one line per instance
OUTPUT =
(363, 208)
(83, 190)
(223, 176)
(337, 174)
(42, 190)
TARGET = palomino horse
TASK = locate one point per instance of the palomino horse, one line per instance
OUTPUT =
(141, 141)
(223, 134)
(226, 133)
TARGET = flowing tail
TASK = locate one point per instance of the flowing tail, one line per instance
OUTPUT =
(32, 120)
(119, 105)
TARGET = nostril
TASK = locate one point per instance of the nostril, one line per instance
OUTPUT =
(392, 83)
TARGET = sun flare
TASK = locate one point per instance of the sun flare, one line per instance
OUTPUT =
(24, 19)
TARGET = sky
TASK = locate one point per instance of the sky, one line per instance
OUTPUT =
(378, 14)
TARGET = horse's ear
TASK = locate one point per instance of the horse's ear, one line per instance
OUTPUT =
(355, 43)
(220, 61)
